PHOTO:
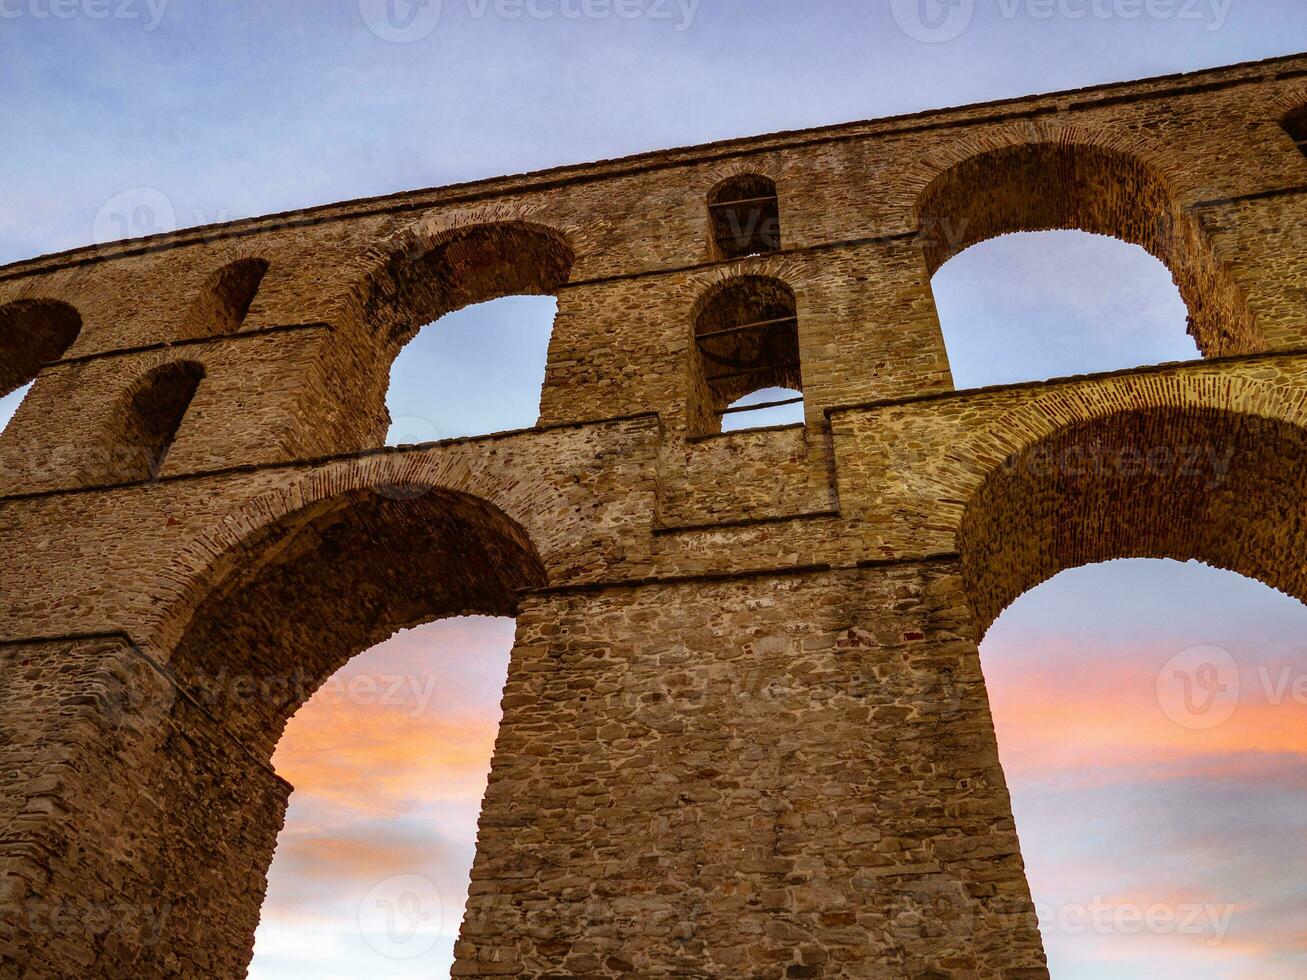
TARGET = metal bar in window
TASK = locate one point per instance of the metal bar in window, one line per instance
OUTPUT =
(755, 325)
(744, 200)
(754, 408)
(756, 370)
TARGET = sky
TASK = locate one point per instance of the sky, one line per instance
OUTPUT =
(172, 113)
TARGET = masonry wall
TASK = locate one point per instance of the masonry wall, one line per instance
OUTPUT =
(771, 777)
(745, 729)
(112, 781)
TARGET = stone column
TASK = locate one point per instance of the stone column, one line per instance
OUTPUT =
(134, 835)
(790, 776)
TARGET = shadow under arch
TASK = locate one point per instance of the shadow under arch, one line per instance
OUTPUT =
(1082, 186)
(1220, 486)
(266, 607)
(421, 276)
(314, 587)
(33, 332)
(746, 338)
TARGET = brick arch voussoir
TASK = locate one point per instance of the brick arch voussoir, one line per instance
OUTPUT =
(947, 155)
(975, 459)
(1146, 207)
(1289, 100)
(205, 562)
(370, 271)
(699, 291)
(708, 179)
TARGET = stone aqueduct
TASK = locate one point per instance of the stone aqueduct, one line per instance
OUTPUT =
(745, 729)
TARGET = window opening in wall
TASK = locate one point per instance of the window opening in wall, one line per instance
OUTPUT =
(747, 342)
(1038, 305)
(33, 332)
(746, 218)
(762, 408)
(477, 370)
(9, 405)
(1296, 126)
(151, 419)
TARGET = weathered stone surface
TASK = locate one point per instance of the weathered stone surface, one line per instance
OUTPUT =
(745, 730)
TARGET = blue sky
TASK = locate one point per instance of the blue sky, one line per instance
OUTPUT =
(213, 111)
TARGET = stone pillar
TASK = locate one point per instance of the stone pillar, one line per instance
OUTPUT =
(134, 835)
(790, 776)
(1263, 240)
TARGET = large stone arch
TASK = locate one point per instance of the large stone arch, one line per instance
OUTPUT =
(278, 597)
(530, 500)
(430, 268)
(434, 267)
(1212, 472)
(1081, 181)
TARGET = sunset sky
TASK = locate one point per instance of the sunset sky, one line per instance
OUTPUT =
(224, 110)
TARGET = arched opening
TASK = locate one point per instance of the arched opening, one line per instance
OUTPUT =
(147, 422)
(33, 332)
(504, 341)
(1049, 304)
(1190, 484)
(746, 340)
(1082, 187)
(1150, 718)
(1223, 487)
(225, 301)
(479, 369)
(744, 214)
(389, 760)
(297, 601)
(1295, 124)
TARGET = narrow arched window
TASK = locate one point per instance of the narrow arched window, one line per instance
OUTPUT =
(147, 424)
(745, 216)
(33, 332)
(746, 340)
(225, 301)
(1295, 124)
